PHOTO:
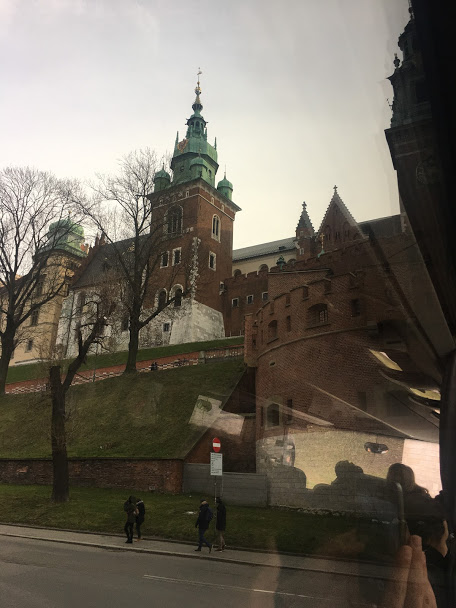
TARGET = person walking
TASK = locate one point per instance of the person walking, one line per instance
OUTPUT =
(130, 510)
(140, 517)
(220, 523)
(202, 523)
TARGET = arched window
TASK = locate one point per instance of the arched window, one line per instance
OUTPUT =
(162, 299)
(216, 227)
(272, 330)
(174, 220)
(317, 314)
(237, 272)
(178, 293)
(328, 233)
(264, 267)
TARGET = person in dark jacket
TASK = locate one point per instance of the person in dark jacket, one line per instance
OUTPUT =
(202, 523)
(140, 516)
(220, 523)
(130, 510)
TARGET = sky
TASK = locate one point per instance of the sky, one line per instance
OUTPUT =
(295, 92)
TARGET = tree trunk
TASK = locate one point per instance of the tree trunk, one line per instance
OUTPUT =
(7, 342)
(133, 347)
(61, 483)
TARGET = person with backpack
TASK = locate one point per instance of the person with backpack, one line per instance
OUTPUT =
(220, 523)
(141, 509)
(131, 511)
(202, 523)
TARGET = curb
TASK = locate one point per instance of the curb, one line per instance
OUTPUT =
(205, 556)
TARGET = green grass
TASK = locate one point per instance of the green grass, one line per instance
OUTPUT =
(101, 510)
(130, 415)
(20, 373)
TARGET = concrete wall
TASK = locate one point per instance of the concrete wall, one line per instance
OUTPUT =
(138, 474)
(248, 489)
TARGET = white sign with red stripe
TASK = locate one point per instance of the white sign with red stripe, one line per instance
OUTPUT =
(216, 445)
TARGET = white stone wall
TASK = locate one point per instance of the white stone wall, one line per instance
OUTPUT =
(191, 322)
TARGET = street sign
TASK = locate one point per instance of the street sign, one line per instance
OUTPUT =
(216, 464)
(216, 445)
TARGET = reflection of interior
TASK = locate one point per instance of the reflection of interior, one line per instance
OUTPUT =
(362, 376)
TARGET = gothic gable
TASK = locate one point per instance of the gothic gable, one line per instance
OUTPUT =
(338, 227)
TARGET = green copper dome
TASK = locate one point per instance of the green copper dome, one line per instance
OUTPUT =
(162, 173)
(66, 235)
(224, 183)
(225, 187)
(162, 179)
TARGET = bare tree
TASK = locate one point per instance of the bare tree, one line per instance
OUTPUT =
(30, 273)
(123, 209)
(100, 308)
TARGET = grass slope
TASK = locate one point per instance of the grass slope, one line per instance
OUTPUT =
(101, 510)
(131, 415)
(20, 373)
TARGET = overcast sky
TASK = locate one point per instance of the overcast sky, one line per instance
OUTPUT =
(295, 92)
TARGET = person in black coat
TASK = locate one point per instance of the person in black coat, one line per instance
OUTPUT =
(220, 524)
(140, 516)
(202, 523)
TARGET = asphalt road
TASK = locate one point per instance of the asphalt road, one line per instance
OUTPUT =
(42, 574)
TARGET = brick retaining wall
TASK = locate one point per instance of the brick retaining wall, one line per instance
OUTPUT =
(129, 473)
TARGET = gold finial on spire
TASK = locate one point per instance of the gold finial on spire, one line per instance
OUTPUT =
(198, 88)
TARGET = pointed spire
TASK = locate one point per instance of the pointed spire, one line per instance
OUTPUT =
(197, 105)
(177, 138)
(304, 220)
(215, 143)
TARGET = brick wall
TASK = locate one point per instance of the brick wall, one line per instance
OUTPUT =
(139, 474)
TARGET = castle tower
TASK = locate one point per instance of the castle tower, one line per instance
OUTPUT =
(195, 212)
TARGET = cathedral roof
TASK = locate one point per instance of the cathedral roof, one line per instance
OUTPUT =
(264, 249)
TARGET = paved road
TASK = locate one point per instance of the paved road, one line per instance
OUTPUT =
(42, 574)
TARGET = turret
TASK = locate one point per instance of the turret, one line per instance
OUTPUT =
(162, 180)
(225, 187)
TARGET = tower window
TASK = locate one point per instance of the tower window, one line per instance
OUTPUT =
(216, 227)
(165, 326)
(29, 346)
(212, 258)
(265, 296)
(235, 302)
(34, 317)
(176, 256)
(250, 299)
(164, 259)
(174, 220)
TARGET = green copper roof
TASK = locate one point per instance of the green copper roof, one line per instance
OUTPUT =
(66, 235)
(194, 145)
(224, 183)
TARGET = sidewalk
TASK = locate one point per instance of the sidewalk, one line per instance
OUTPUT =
(185, 550)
